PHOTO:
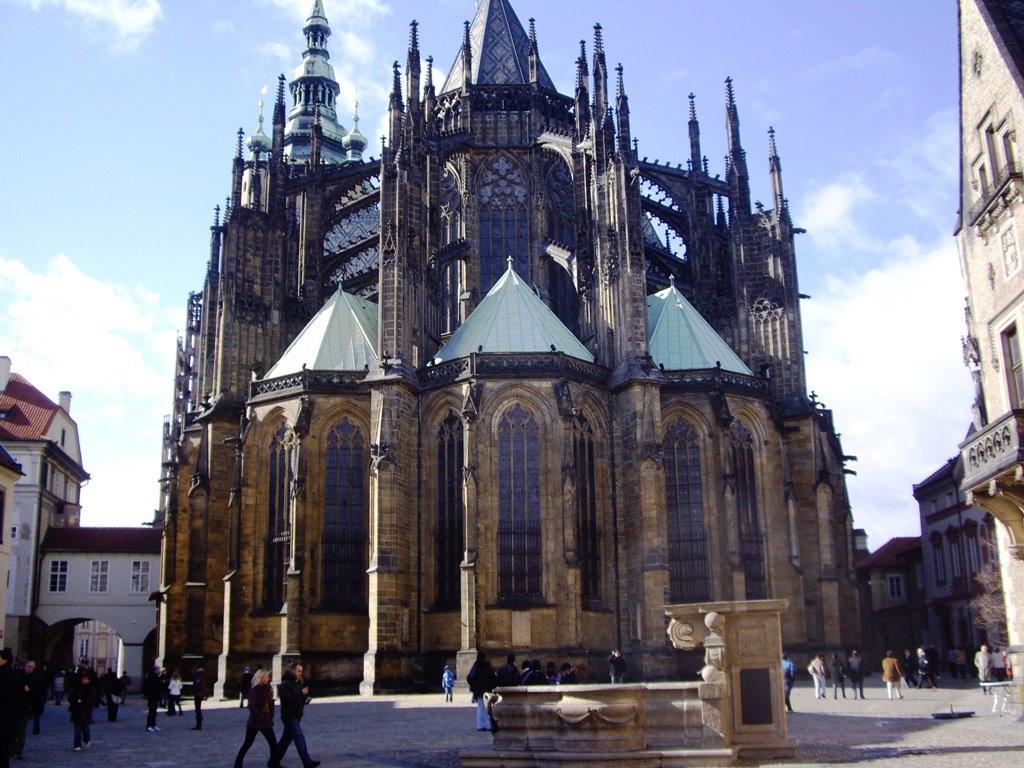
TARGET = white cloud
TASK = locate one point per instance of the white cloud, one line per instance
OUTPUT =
(126, 21)
(828, 213)
(884, 355)
(278, 51)
(112, 346)
(868, 58)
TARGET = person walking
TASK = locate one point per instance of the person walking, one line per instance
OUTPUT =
(261, 719)
(617, 667)
(926, 667)
(909, 667)
(200, 692)
(243, 687)
(855, 669)
(12, 705)
(838, 670)
(112, 685)
(448, 682)
(293, 694)
(788, 678)
(82, 700)
(174, 686)
(818, 673)
(482, 680)
(36, 684)
(892, 673)
(152, 686)
(58, 687)
(983, 663)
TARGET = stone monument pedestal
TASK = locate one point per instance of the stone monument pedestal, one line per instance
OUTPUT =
(736, 712)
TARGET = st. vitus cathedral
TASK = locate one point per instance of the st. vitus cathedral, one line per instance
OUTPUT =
(467, 397)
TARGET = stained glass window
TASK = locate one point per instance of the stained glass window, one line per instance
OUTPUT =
(343, 560)
(689, 569)
(751, 538)
(275, 546)
(519, 472)
(449, 510)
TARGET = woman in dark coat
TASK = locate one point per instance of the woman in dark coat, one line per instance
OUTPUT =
(261, 718)
(82, 700)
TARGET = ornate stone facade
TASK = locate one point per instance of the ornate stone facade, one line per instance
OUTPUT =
(401, 509)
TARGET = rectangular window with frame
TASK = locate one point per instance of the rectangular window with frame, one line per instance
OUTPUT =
(140, 576)
(58, 575)
(1014, 366)
(98, 574)
(894, 583)
(939, 556)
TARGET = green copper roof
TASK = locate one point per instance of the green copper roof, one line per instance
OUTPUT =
(512, 318)
(342, 336)
(500, 48)
(681, 340)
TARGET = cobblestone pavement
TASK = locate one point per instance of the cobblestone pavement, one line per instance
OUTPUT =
(424, 732)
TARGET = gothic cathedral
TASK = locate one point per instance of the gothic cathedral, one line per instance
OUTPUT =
(467, 396)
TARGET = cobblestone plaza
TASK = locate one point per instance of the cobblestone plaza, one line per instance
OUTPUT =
(422, 731)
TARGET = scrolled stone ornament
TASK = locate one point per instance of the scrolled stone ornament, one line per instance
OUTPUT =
(681, 635)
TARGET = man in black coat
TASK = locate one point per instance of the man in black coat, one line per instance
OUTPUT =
(12, 705)
(152, 687)
(293, 694)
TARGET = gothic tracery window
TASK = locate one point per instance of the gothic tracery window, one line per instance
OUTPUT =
(689, 569)
(587, 531)
(519, 545)
(275, 544)
(449, 510)
(751, 537)
(502, 196)
(343, 559)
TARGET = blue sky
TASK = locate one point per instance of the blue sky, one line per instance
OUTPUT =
(121, 122)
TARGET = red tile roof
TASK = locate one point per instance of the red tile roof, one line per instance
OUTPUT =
(102, 540)
(25, 412)
(891, 554)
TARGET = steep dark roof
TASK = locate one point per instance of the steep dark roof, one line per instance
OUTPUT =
(6, 460)
(500, 48)
(1005, 20)
(891, 554)
(102, 540)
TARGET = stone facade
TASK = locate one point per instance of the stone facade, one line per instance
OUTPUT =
(988, 237)
(383, 518)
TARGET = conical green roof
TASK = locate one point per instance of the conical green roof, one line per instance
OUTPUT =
(342, 336)
(681, 340)
(512, 318)
(500, 48)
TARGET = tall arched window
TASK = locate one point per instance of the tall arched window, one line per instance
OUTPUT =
(751, 538)
(689, 569)
(519, 550)
(275, 544)
(587, 531)
(343, 562)
(502, 197)
(563, 297)
(451, 290)
(449, 510)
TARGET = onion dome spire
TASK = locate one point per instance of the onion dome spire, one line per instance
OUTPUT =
(355, 142)
(259, 142)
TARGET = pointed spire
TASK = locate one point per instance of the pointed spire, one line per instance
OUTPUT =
(238, 146)
(739, 179)
(396, 87)
(600, 73)
(694, 136)
(467, 57)
(412, 67)
(775, 169)
(622, 112)
(429, 95)
(582, 94)
(532, 54)
(279, 102)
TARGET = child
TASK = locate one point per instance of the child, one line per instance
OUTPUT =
(448, 682)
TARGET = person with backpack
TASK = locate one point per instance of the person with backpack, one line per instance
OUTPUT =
(788, 678)
(855, 670)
